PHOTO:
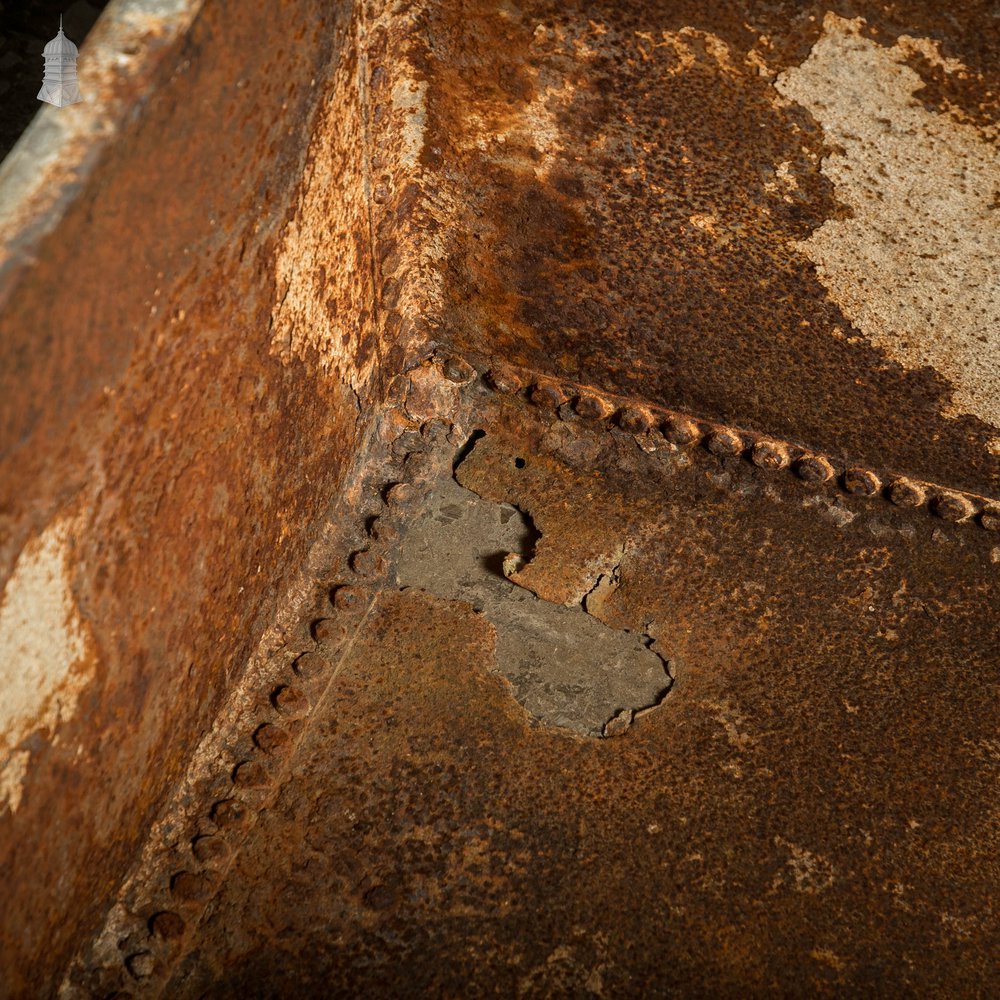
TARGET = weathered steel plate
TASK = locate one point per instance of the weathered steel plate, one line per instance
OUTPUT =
(717, 287)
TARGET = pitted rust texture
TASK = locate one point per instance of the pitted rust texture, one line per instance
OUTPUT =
(655, 426)
(143, 403)
(623, 225)
(238, 766)
(567, 668)
(810, 804)
(811, 808)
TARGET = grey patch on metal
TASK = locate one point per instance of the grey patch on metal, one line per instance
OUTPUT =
(567, 668)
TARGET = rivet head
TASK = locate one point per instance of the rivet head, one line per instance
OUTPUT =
(208, 849)
(905, 493)
(591, 407)
(346, 598)
(635, 419)
(861, 482)
(814, 469)
(327, 630)
(399, 494)
(380, 530)
(458, 370)
(310, 665)
(167, 926)
(547, 394)
(272, 739)
(770, 455)
(141, 965)
(680, 430)
(291, 701)
(229, 814)
(990, 518)
(251, 774)
(191, 887)
(368, 562)
(953, 506)
(725, 442)
(504, 380)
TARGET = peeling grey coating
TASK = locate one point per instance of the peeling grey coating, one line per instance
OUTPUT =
(567, 668)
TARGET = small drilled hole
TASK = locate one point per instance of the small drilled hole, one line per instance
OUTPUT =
(519, 463)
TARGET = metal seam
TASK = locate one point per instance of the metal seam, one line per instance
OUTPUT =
(146, 967)
(769, 453)
(629, 414)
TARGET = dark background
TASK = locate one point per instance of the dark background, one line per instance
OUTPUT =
(25, 27)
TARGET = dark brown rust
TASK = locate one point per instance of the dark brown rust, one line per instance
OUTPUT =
(291, 701)
(814, 469)
(862, 482)
(952, 506)
(634, 419)
(808, 809)
(548, 394)
(191, 887)
(229, 814)
(167, 925)
(367, 563)
(579, 257)
(504, 380)
(698, 813)
(141, 964)
(345, 598)
(904, 493)
(592, 407)
(309, 665)
(208, 849)
(725, 442)
(251, 774)
(771, 455)
(681, 430)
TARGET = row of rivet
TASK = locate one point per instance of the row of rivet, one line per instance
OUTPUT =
(274, 740)
(729, 442)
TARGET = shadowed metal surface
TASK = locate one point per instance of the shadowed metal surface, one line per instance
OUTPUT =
(828, 740)
(328, 248)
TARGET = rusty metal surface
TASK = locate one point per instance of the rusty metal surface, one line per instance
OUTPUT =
(613, 170)
(811, 810)
(184, 465)
(290, 775)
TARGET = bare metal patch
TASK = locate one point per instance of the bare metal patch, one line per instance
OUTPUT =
(43, 652)
(914, 268)
(565, 666)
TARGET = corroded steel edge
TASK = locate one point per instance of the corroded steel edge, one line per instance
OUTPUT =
(240, 766)
(52, 160)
